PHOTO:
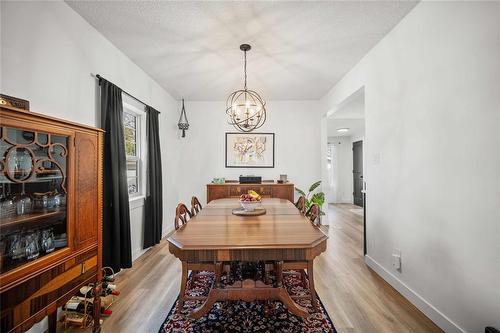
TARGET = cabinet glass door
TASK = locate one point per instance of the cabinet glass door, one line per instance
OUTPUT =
(33, 195)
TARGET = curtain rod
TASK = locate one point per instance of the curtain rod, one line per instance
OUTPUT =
(97, 76)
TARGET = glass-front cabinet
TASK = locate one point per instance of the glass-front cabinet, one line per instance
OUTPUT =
(33, 195)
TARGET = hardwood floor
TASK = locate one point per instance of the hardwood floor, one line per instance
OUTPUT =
(357, 299)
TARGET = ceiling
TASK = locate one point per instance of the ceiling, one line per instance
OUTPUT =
(351, 115)
(299, 49)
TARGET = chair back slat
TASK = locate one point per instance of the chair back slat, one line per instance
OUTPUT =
(313, 213)
(195, 206)
(182, 216)
(301, 204)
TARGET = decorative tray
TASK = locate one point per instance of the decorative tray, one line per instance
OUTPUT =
(242, 212)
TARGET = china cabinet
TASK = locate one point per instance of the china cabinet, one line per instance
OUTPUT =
(50, 215)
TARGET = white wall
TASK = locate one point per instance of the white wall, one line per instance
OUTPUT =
(343, 164)
(296, 125)
(47, 54)
(432, 159)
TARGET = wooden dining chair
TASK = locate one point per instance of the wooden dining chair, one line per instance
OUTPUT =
(195, 206)
(300, 267)
(301, 204)
(182, 216)
(313, 214)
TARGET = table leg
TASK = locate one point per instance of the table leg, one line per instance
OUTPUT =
(218, 273)
(278, 270)
(182, 294)
(52, 322)
(310, 274)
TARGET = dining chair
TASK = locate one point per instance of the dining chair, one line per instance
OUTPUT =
(301, 204)
(313, 214)
(300, 267)
(195, 206)
(182, 215)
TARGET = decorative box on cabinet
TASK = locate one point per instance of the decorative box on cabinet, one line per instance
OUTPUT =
(50, 231)
(266, 190)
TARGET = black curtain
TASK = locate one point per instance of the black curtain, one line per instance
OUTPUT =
(154, 205)
(117, 252)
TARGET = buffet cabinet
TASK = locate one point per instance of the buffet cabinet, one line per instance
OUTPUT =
(266, 190)
(50, 215)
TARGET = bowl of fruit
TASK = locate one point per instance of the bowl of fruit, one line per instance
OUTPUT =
(250, 201)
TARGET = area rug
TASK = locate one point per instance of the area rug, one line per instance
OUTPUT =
(246, 317)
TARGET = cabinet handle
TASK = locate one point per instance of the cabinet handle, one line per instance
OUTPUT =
(83, 268)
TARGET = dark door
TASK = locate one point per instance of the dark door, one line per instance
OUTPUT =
(357, 172)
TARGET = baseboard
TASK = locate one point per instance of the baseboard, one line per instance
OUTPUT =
(428, 309)
(137, 253)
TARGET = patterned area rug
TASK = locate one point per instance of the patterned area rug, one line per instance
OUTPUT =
(246, 317)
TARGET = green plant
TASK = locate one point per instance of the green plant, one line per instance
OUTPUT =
(317, 198)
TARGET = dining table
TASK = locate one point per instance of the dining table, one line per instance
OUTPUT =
(216, 236)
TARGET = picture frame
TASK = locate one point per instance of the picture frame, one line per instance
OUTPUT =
(249, 150)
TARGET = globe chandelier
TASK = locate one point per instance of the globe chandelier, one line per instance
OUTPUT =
(245, 108)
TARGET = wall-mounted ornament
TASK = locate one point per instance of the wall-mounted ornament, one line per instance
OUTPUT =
(245, 108)
(183, 123)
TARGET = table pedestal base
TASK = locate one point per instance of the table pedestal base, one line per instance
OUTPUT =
(248, 291)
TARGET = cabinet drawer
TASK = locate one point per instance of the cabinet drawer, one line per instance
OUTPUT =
(52, 287)
(237, 190)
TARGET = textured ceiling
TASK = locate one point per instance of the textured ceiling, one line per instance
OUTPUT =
(299, 49)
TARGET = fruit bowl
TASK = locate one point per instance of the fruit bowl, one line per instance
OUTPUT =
(250, 201)
(249, 206)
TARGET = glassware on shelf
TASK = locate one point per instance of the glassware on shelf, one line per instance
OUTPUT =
(7, 204)
(17, 247)
(40, 200)
(32, 179)
(20, 164)
(61, 240)
(59, 199)
(32, 249)
(24, 204)
(48, 244)
(7, 208)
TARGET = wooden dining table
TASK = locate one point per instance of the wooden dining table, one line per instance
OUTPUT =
(216, 236)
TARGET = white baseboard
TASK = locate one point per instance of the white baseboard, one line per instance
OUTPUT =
(445, 323)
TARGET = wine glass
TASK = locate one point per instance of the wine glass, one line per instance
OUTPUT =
(48, 241)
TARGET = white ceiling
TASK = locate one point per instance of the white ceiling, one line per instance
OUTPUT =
(299, 49)
(350, 114)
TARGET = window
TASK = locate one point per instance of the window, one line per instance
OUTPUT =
(133, 122)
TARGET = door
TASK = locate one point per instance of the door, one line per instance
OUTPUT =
(357, 172)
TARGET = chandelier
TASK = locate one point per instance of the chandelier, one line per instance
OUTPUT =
(245, 108)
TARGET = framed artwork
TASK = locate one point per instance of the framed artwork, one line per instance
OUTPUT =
(249, 150)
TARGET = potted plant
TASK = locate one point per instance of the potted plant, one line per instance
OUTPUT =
(317, 198)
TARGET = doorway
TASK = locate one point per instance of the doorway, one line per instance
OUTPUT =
(343, 178)
(357, 173)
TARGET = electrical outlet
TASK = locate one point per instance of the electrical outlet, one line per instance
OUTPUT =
(396, 259)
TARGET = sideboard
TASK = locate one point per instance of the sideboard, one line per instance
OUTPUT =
(266, 190)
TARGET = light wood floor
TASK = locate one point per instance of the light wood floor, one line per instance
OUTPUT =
(357, 299)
